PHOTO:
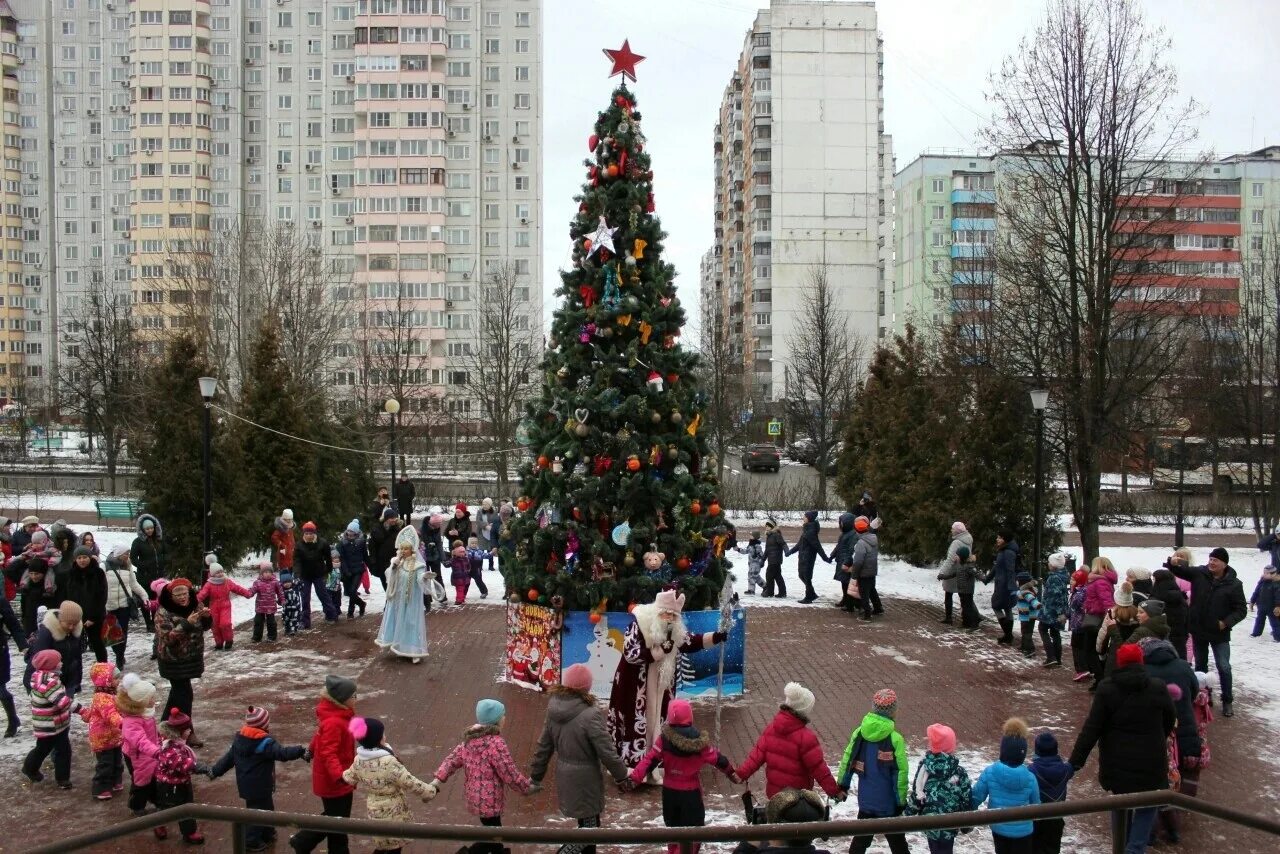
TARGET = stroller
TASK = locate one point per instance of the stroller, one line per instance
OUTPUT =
(757, 815)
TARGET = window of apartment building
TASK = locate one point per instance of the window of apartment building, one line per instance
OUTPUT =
(938, 185)
(493, 74)
(150, 17)
(937, 238)
(523, 19)
(521, 45)
(493, 19)
(284, 19)
(493, 46)
(522, 73)
(1256, 189)
(179, 42)
(459, 41)
(284, 74)
(522, 182)
(342, 125)
(181, 17)
(937, 212)
(459, 13)
(1256, 217)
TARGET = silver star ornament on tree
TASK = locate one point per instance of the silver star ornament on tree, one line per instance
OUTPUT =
(603, 238)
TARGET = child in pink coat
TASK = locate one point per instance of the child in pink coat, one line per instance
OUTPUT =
(682, 750)
(216, 593)
(105, 735)
(270, 596)
(136, 700)
(487, 767)
(459, 571)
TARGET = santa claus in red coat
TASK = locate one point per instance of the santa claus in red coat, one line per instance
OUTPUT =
(645, 678)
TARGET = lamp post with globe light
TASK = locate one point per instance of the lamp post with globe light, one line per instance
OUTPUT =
(1183, 426)
(1039, 400)
(392, 408)
(208, 388)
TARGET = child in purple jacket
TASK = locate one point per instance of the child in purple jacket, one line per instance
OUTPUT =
(269, 597)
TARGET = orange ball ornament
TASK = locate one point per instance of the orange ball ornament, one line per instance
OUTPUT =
(533, 595)
(612, 170)
(713, 508)
(594, 618)
(523, 503)
(543, 462)
(695, 507)
(633, 463)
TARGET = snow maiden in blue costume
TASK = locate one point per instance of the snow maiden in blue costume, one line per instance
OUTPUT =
(404, 622)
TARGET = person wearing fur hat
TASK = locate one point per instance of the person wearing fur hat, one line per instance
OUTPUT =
(1139, 578)
(877, 754)
(353, 553)
(148, 553)
(124, 594)
(789, 749)
(574, 731)
(645, 678)
(85, 584)
(1217, 604)
(181, 622)
(106, 736)
(810, 549)
(794, 806)
(60, 630)
(175, 763)
(681, 750)
(254, 754)
(380, 774)
(1009, 783)
(404, 623)
(940, 786)
(10, 627)
(51, 710)
(382, 543)
(487, 767)
(140, 740)
(1129, 722)
(1052, 774)
(1053, 608)
(216, 594)
(333, 749)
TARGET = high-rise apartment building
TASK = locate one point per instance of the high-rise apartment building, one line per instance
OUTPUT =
(802, 164)
(14, 317)
(401, 139)
(946, 222)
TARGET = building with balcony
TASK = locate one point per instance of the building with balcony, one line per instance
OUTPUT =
(802, 177)
(399, 140)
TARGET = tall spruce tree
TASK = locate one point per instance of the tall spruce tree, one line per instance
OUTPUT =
(619, 467)
(168, 442)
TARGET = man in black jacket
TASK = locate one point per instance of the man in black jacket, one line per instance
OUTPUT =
(405, 493)
(312, 560)
(1217, 604)
(810, 549)
(382, 544)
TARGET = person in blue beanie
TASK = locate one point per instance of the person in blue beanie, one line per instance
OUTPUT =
(1009, 783)
(1052, 774)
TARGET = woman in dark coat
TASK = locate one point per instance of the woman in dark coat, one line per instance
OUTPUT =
(1165, 588)
(810, 549)
(86, 585)
(148, 554)
(181, 623)
(842, 557)
(1004, 574)
(1130, 721)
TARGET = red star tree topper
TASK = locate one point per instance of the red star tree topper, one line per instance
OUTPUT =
(624, 60)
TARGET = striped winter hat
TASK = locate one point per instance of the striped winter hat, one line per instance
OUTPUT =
(257, 717)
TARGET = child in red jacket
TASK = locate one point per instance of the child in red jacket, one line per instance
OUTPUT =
(789, 751)
(270, 596)
(333, 749)
(682, 750)
(216, 593)
(175, 763)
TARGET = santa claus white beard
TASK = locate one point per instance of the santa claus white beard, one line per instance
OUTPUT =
(656, 631)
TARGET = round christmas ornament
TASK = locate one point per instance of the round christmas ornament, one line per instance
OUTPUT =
(695, 507)
(543, 462)
(515, 598)
(592, 142)
(622, 533)
(633, 463)
(713, 508)
(533, 595)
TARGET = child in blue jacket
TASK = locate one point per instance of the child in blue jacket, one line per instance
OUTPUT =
(1266, 600)
(254, 754)
(1053, 608)
(1008, 783)
(1028, 607)
(877, 753)
(1052, 774)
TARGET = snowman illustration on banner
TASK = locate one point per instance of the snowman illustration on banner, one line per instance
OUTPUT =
(603, 654)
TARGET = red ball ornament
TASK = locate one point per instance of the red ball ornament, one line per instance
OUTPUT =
(713, 509)
(695, 507)
(612, 170)
(633, 464)
(621, 101)
(523, 503)
(649, 206)
(672, 378)
(543, 462)
(533, 595)
(682, 564)
(592, 142)
(594, 618)
(577, 513)
(591, 172)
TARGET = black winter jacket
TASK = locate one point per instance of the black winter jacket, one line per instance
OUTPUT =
(254, 754)
(312, 560)
(842, 555)
(1165, 588)
(1129, 721)
(1004, 574)
(809, 546)
(148, 554)
(382, 547)
(775, 548)
(404, 493)
(87, 588)
(461, 529)
(1213, 600)
(1163, 663)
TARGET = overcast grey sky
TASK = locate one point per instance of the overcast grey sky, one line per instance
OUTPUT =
(938, 54)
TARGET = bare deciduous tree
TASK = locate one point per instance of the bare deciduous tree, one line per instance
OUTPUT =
(102, 370)
(1086, 122)
(502, 361)
(720, 374)
(822, 372)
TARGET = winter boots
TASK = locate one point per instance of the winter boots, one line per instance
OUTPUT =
(1006, 627)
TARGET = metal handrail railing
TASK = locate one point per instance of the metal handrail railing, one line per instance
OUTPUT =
(240, 817)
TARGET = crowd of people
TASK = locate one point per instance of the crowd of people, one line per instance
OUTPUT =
(1131, 640)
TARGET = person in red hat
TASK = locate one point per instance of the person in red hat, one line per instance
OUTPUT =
(175, 763)
(1129, 721)
(459, 527)
(313, 559)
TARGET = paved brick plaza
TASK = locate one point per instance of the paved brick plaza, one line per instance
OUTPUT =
(965, 681)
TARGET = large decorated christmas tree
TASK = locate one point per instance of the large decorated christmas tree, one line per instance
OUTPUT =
(619, 497)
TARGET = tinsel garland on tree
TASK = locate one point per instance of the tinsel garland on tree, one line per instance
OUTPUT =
(618, 499)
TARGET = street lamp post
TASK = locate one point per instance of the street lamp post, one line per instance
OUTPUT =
(1183, 426)
(392, 408)
(1039, 400)
(208, 388)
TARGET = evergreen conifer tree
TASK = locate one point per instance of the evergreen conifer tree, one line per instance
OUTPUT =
(168, 443)
(620, 467)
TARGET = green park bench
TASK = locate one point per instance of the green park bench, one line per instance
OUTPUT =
(118, 508)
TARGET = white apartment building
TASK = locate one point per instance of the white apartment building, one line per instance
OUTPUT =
(402, 138)
(803, 180)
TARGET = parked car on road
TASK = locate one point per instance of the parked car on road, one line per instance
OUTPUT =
(761, 458)
(802, 451)
(830, 459)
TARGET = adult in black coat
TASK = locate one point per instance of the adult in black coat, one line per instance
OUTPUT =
(60, 629)
(1164, 587)
(65, 541)
(867, 506)
(810, 549)
(404, 493)
(1129, 721)
(148, 553)
(9, 627)
(1163, 663)
(373, 513)
(842, 557)
(382, 544)
(1003, 574)
(458, 527)
(775, 549)
(86, 585)
(1217, 604)
(312, 561)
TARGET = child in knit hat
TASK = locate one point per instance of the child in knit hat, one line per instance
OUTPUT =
(216, 594)
(254, 754)
(1028, 608)
(175, 763)
(459, 571)
(941, 786)
(1075, 622)
(476, 557)
(754, 550)
(877, 753)
(106, 736)
(291, 612)
(681, 749)
(136, 699)
(789, 749)
(270, 596)
(1053, 608)
(51, 710)
(487, 767)
(1052, 774)
(383, 779)
(1008, 783)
